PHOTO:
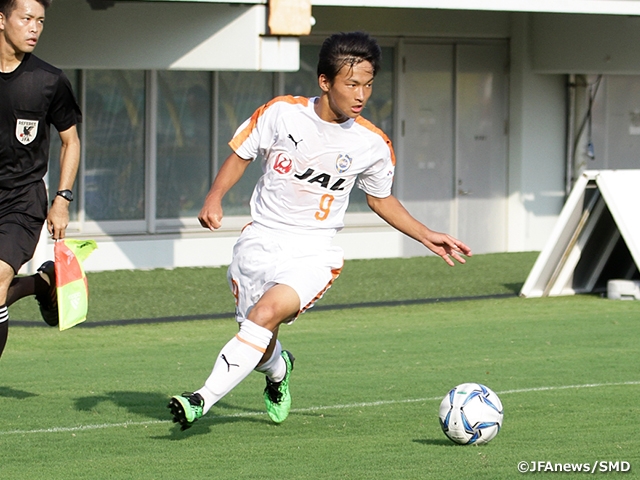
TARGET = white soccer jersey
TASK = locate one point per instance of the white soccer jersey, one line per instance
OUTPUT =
(310, 166)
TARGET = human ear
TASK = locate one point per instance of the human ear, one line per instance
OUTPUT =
(324, 83)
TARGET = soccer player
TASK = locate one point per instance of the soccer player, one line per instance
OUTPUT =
(33, 95)
(313, 151)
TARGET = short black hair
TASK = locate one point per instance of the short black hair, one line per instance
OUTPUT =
(8, 6)
(350, 48)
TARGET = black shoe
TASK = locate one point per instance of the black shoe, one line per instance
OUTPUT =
(186, 408)
(48, 301)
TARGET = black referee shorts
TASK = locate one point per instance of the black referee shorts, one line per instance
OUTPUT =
(23, 211)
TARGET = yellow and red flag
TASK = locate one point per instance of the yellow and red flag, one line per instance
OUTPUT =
(72, 287)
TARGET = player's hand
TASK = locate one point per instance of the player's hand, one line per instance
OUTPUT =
(58, 218)
(211, 215)
(447, 247)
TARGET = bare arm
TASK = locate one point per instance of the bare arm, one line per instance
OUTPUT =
(58, 217)
(231, 171)
(394, 213)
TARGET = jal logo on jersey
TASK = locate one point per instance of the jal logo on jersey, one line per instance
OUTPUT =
(26, 130)
(322, 179)
(282, 164)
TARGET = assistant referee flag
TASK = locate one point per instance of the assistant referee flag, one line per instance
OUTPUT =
(71, 282)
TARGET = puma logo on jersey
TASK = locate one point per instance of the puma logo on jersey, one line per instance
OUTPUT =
(294, 140)
(324, 179)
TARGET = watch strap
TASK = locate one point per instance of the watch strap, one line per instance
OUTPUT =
(66, 194)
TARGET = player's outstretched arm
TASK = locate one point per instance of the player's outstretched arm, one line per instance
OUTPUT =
(442, 244)
(231, 171)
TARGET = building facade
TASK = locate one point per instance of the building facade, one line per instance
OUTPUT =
(492, 113)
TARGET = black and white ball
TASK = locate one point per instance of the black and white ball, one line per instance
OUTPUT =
(471, 414)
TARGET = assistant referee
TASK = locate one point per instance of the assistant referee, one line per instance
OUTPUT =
(33, 96)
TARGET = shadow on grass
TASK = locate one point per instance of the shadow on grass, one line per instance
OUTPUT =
(443, 442)
(514, 287)
(207, 425)
(9, 392)
(147, 404)
(154, 405)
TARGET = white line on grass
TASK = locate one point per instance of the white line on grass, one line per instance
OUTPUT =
(305, 410)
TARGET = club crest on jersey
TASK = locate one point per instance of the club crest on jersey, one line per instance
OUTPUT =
(26, 130)
(343, 163)
(282, 164)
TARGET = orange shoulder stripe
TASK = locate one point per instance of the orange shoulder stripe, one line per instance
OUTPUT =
(244, 134)
(370, 126)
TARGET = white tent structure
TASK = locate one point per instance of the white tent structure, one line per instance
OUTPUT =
(596, 238)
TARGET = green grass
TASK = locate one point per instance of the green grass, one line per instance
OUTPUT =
(200, 291)
(90, 403)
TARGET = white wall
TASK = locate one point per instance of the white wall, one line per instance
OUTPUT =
(205, 249)
(411, 22)
(585, 43)
(609, 7)
(537, 104)
(536, 150)
(163, 35)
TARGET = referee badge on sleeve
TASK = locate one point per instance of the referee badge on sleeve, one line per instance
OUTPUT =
(26, 130)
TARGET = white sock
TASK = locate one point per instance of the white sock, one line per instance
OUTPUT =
(236, 360)
(275, 368)
(4, 314)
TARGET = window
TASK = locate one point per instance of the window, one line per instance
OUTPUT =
(114, 163)
(175, 126)
(183, 143)
(239, 95)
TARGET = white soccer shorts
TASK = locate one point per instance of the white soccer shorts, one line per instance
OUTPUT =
(263, 258)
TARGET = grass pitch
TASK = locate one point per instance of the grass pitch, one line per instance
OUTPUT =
(91, 402)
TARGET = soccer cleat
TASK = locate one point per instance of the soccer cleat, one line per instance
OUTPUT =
(276, 394)
(186, 408)
(48, 301)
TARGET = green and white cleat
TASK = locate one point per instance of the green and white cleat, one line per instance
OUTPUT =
(186, 409)
(276, 394)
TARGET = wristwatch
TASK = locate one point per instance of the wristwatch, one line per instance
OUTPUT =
(66, 194)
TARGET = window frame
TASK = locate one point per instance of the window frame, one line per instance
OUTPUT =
(153, 226)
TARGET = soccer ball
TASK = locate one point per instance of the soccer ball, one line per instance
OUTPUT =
(471, 414)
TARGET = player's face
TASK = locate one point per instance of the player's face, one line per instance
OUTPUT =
(23, 26)
(349, 92)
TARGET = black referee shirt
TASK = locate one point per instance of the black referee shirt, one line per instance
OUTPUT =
(32, 97)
